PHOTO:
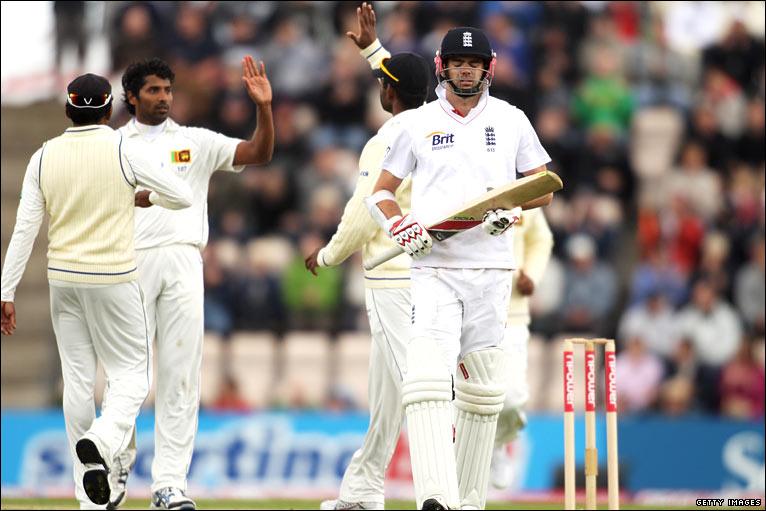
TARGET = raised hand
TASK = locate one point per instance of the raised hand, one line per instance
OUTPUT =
(366, 35)
(256, 82)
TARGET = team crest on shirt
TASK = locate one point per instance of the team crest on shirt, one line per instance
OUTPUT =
(181, 159)
(489, 138)
(441, 140)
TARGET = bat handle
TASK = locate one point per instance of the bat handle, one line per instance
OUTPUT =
(383, 257)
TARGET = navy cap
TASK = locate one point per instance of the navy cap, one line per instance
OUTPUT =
(89, 91)
(466, 41)
(406, 72)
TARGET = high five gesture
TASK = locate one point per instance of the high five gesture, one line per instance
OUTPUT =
(256, 82)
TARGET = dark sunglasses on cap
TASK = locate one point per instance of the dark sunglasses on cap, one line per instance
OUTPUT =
(79, 101)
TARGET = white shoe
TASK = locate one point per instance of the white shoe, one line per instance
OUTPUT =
(501, 470)
(328, 505)
(118, 478)
(172, 498)
(95, 478)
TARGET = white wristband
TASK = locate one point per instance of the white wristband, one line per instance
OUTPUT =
(320, 258)
(381, 195)
(154, 197)
(375, 53)
(371, 49)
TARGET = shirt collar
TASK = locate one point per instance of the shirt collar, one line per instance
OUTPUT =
(441, 94)
(89, 127)
(131, 129)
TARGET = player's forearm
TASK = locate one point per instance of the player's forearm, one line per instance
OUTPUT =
(355, 229)
(29, 217)
(176, 201)
(17, 255)
(387, 184)
(259, 149)
(390, 208)
(167, 190)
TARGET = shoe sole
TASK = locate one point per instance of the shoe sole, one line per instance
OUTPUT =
(182, 507)
(116, 503)
(94, 482)
(432, 505)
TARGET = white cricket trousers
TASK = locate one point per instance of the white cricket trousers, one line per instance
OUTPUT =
(463, 310)
(106, 324)
(388, 311)
(171, 278)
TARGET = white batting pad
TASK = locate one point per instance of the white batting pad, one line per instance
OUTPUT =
(427, 396)
(479, 397)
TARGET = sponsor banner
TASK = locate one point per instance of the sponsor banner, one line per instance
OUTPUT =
(590, 380)
(610, 364)
(569, 381)
(305, 453)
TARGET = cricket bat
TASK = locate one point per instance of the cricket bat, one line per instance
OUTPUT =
(472, 213)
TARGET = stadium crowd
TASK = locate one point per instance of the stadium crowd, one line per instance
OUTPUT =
(653, 114)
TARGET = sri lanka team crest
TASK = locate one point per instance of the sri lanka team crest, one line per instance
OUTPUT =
(182, 156)
(441, 140)
(180, 160)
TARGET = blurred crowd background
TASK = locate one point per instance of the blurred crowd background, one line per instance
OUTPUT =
(653, 114)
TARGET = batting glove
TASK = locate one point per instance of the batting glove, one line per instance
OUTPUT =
(497, 221)
(410, 235)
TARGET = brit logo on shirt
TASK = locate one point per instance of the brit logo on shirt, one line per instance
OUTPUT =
(441, 140)
(489, 139)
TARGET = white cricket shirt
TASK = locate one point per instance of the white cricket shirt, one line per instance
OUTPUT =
(455, 159)
(193, 154)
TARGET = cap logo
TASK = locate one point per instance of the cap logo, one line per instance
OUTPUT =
(385, 70)
(467, 40)
(79, 101)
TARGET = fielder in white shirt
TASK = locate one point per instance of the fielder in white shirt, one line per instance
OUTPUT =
(455, 149)
(168, 245)
(86, 180)
(404, 84)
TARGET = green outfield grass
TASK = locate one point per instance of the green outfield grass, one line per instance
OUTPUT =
(8, 503)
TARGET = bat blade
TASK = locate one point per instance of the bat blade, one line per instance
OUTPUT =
(444, 230)
(471, 214)
(507, 196)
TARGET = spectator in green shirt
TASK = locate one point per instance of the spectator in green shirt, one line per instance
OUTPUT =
(603, 97)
